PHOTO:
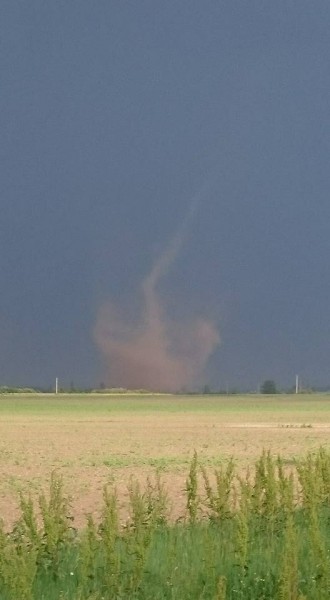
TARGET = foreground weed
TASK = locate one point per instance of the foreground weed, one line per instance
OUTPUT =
(288, 589)
(26, 529)
(221, 589)
(144, 512)
(88, 552)
(309, 482)
(192, 490)
(285, 489)
(218, 500)
(56, 520)
(322, 465)
(265, 487)
(18, 566)
(109, 534)
(242, 538)
(320, 562)
(157, 500)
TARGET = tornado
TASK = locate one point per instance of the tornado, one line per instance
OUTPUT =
(156, 352)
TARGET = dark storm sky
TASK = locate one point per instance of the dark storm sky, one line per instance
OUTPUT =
(114, 114)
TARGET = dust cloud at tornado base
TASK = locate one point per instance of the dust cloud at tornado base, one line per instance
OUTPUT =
(157, 352)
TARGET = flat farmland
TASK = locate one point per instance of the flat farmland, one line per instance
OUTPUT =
(92, 440)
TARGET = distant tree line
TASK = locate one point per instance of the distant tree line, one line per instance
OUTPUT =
(268, 387)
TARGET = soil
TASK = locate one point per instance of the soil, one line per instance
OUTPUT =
(91, 452)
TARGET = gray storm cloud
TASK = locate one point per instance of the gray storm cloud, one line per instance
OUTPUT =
(156, 353)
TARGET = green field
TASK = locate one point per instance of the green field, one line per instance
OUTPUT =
(317, 406)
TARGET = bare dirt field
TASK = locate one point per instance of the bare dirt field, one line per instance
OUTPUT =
(94, 440)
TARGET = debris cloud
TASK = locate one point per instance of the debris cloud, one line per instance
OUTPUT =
(157, 352)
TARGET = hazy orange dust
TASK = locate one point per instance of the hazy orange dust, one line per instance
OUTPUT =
(156, 353)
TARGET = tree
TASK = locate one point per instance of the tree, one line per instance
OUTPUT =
(268, 387)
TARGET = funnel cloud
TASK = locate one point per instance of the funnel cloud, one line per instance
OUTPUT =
(157, 352)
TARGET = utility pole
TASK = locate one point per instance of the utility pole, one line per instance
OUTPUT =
(56, 385)
(297, 384)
